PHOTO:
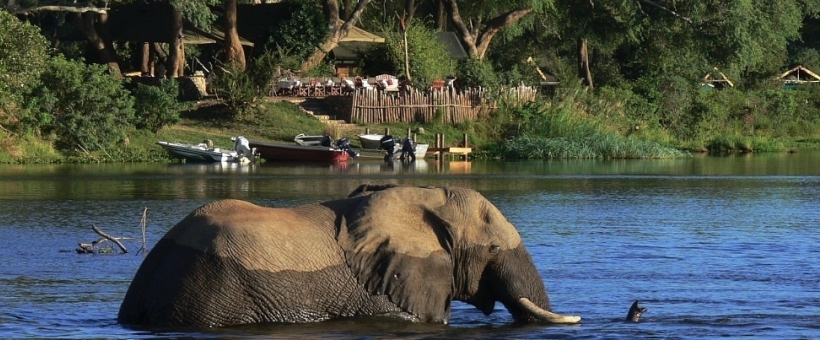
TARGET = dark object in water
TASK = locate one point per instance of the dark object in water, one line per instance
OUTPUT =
(635, 312)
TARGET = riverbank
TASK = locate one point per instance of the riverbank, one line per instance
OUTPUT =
(280, 121)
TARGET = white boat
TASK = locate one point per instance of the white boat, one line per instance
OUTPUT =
(205, 152)
(371, 141)
(312, 140)
(421, 151)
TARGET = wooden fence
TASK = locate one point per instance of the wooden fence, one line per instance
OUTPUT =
(447, 105)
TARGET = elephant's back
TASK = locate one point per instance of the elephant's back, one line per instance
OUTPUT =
(284, 237)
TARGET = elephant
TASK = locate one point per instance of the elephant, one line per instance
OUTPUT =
(385, 250)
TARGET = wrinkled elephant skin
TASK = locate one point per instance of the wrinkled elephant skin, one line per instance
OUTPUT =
(396, 251)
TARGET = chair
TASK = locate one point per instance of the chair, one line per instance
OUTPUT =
(316, 89)
(303, 90)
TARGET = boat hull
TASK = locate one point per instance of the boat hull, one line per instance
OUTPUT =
(421, 152)
(370, 141)
(298, 153)
(197, 152)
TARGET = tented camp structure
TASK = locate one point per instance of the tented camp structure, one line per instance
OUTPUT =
(797, 76)
(715, 80)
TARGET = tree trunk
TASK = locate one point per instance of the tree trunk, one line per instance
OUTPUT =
(176, 53)
(85, 22)
(441, 15)
(145, 58)
(234, 54)
(479, 41)
(336, 33)
(409, 10)
(583, 63)
(347, 10)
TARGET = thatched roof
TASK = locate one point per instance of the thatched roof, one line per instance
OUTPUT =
(799, 74)
(713, 80)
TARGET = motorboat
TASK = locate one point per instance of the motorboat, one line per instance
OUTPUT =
(206, 152)
(308, 140)
(420, 152)
(370, 141)
(299, 153)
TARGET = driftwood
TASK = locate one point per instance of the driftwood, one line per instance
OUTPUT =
(110, 238)
(100, 245)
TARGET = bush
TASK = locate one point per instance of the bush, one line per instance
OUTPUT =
(22, 59)
(157, 106)
(237, 87)
(84, 106)
(473, 73)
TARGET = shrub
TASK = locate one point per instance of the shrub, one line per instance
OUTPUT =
(83, 105)
(22, 59)
(157, 106)
(237, 87)
(473, 72)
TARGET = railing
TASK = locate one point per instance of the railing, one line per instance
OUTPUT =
(447, 105)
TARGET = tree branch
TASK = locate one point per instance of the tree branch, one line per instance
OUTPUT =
(657, 5)
(56, 8)
(496, 24)
(110, 238)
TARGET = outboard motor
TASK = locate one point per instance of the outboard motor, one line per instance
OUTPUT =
(344, 144)
(408, 149)
(389, 145)
(326, 141)
(243, 149)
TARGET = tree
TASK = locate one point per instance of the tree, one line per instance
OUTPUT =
(22, 59)
(90, 19)
(234, 54)
(476, 33)
(337, 31)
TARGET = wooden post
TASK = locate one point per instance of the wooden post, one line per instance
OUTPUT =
(409, 132)
(466, 144)
(367, 131)
(386, 131)
(439, 145)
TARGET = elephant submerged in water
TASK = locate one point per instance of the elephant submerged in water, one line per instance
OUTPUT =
(385, 250)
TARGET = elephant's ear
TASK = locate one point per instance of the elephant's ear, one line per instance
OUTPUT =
(397, 244)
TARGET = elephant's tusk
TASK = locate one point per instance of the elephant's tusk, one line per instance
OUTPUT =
(545, 314)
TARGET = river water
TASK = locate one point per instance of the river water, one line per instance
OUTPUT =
(712, 246)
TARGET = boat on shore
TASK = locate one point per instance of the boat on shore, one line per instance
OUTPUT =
(421, 152)
(298, 153)
(370, 141)
(308, 140)
(206, 152)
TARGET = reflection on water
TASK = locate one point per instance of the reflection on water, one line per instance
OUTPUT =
(713, 246)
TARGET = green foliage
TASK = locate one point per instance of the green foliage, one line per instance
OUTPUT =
(599, 146)
(157, 106)
(428, 57)
(473, 73)
(301, 29)
(237, 87)
(84, 106)
(22, 58)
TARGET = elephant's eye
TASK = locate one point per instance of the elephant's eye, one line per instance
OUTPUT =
(494, 249)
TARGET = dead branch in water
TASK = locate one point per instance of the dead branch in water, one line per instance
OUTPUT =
(96, 246)
(143, 222)
(110, 238)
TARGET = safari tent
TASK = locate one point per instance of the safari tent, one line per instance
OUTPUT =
(797, 76)
(715, 80)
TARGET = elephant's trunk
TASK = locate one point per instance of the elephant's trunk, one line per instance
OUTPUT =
(546, 315)
(521, 289)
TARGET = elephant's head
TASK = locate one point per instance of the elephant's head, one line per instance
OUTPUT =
(424, 247)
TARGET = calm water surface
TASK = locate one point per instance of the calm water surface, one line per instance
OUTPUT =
(712, 246)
